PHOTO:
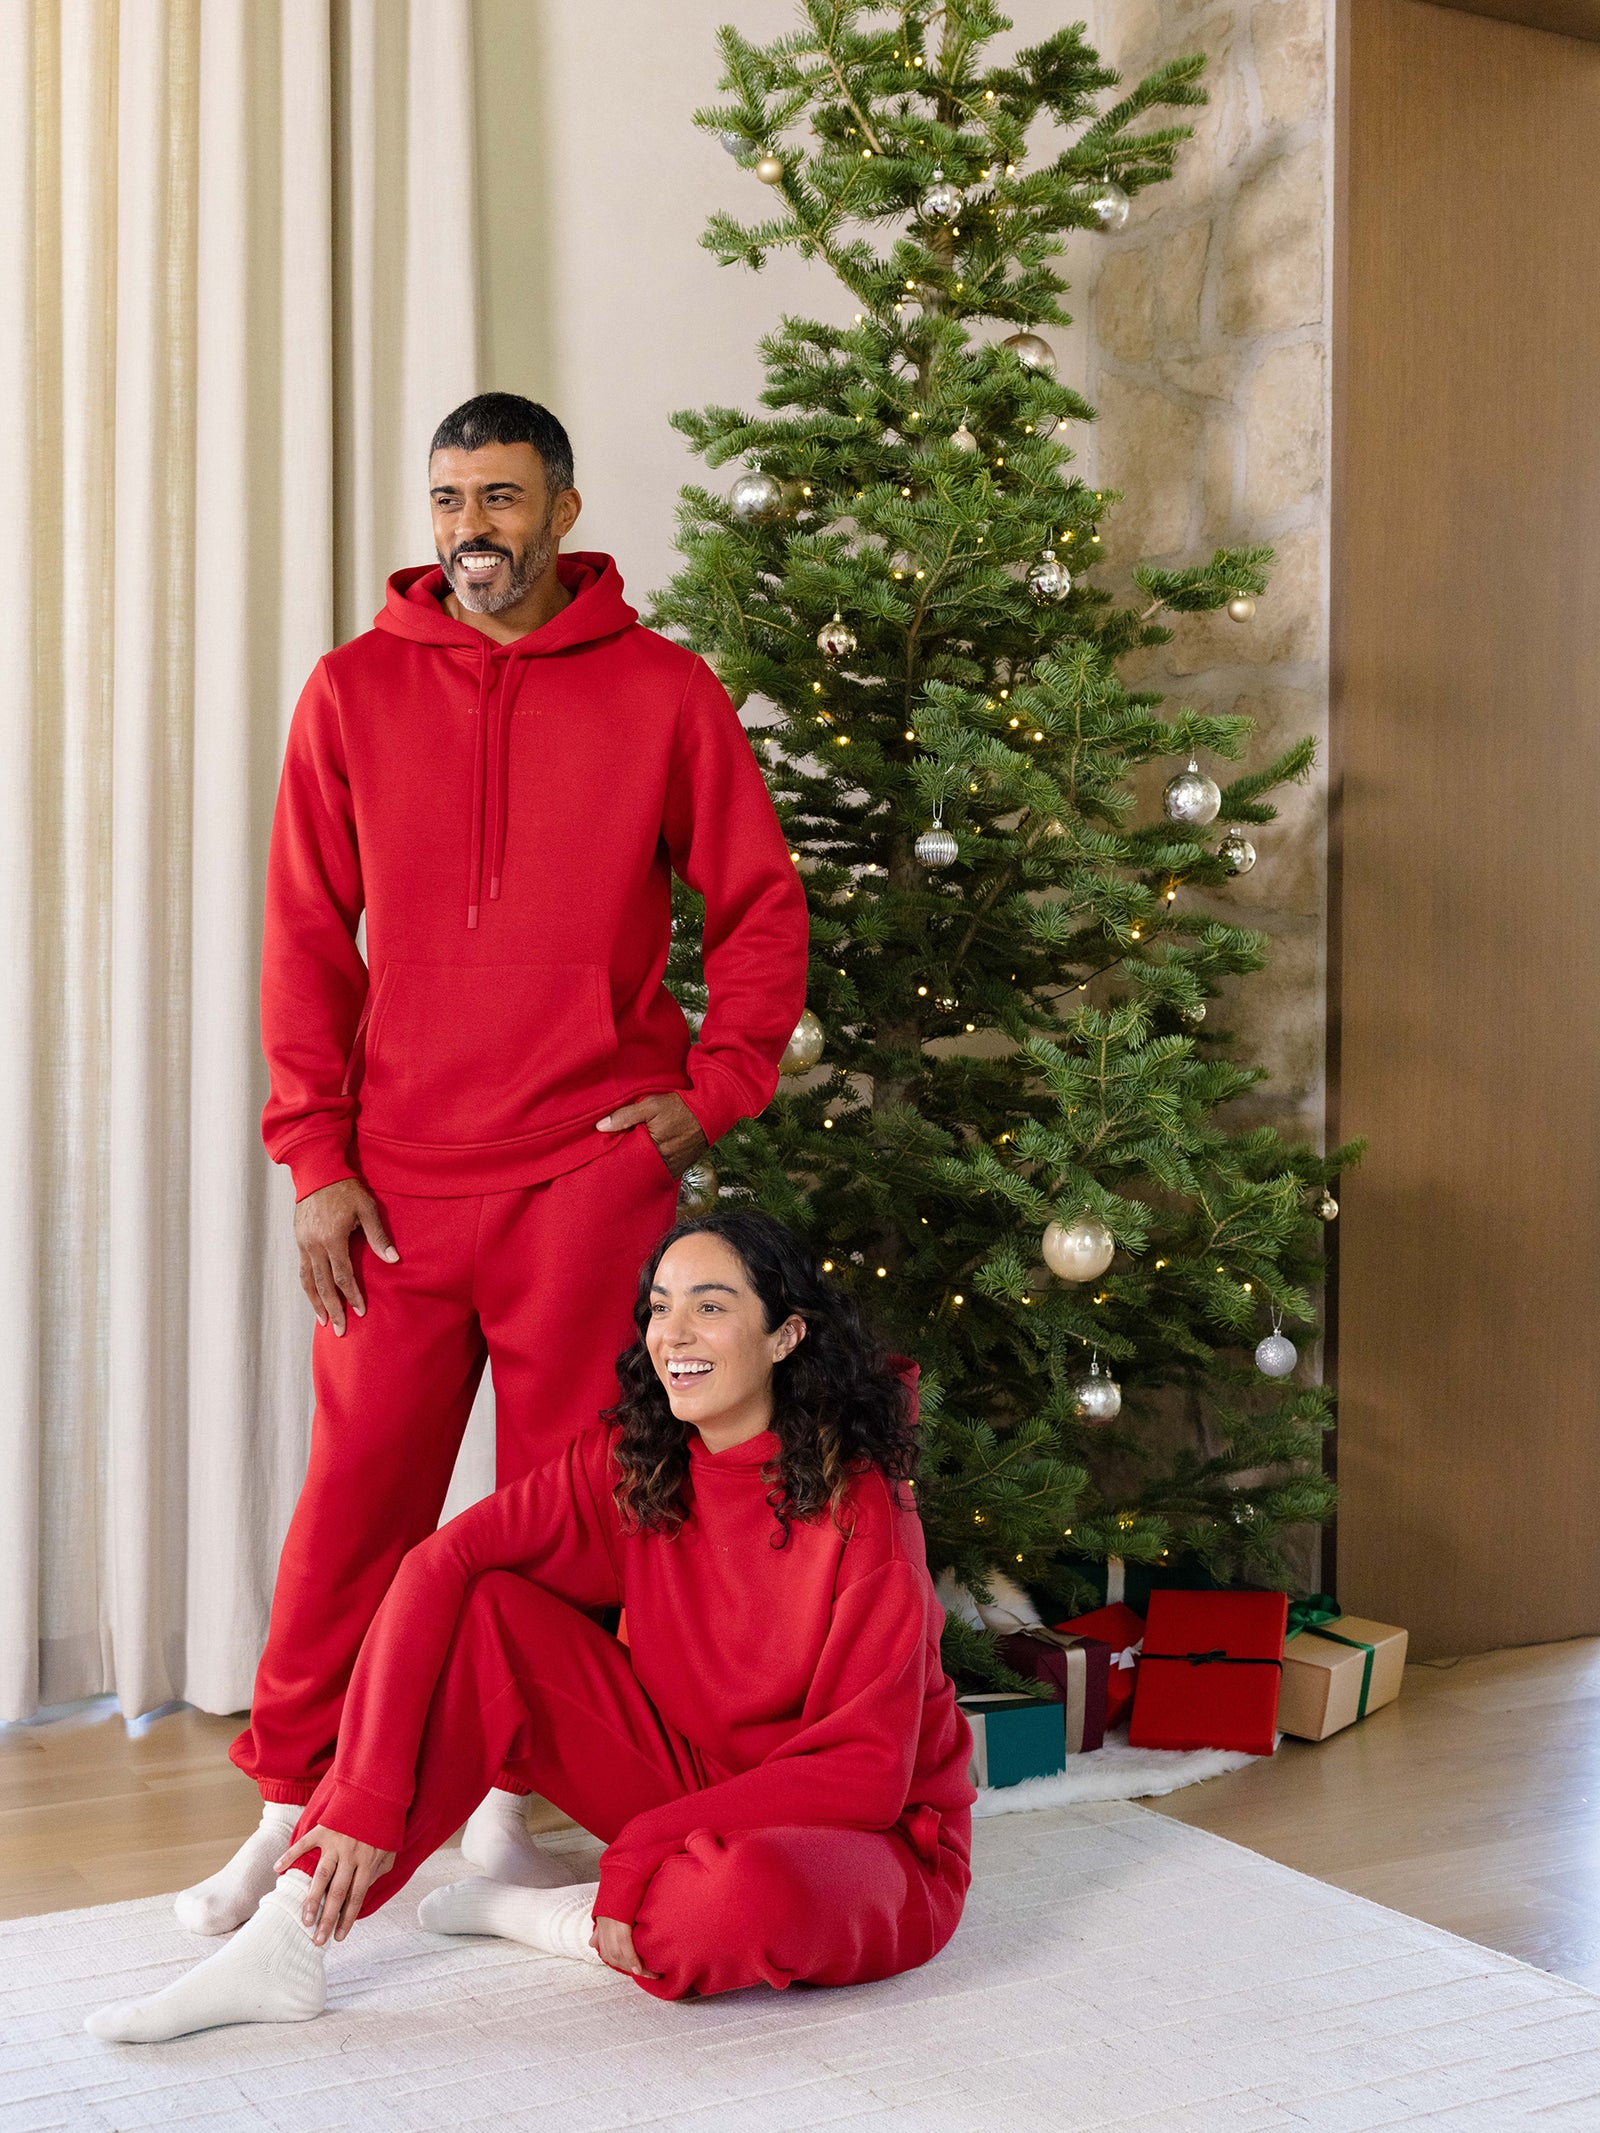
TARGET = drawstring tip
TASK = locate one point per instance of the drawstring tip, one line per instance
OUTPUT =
(472, 914)
(494, 891)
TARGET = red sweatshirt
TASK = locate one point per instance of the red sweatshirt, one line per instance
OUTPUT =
(508, 818)
(806, 1679)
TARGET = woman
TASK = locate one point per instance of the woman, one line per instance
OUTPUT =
(776, 1761)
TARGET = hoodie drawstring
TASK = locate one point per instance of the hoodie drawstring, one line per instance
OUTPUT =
(491, 776)
(500, 805)
(480, 751)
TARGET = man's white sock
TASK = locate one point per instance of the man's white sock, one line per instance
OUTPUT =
(271, 1971)
(231, 1894)
(498, 1841)
(555, 1921)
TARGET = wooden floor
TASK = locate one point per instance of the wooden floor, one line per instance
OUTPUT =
(1474, 1803)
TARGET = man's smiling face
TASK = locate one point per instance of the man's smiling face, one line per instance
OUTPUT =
(496, 527)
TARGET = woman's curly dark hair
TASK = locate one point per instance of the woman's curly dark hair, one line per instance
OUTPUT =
(838, 1405)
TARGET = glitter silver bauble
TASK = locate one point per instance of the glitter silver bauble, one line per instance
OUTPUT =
(1241, 607)
(1098, 1397)
(936, 847)
(697, 1190)
(1192, 798)
(755, 498)
(1108, 204)
(942, 202)
(1195, 1014)
(1030, 351)
(963, 439)
(1049, 578)
(836, 639)
(770, 170)
(804, 1047)
(737, 144)
(1237, 853)
(1078, 1251)
(1276, 1356)
(1328, 1206)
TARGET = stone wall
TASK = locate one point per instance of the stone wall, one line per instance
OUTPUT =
(1207, 356)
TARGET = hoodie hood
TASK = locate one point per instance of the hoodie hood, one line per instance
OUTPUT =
(413, 608)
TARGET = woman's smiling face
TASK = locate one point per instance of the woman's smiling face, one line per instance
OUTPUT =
(709, 1343)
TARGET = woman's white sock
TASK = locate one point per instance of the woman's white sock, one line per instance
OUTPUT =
(498, 1841)
(271, 1971)
(555, 1921)
(231, 1894)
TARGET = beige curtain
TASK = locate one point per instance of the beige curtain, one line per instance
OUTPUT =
(237, 289)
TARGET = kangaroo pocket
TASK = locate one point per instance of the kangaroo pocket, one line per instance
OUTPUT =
(467, 1054)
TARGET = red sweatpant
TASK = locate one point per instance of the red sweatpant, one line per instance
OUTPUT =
(535, 1686)
(541, 1283)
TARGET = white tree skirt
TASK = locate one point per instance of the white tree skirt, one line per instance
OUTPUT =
(1116, 1972)
(1114, 1772)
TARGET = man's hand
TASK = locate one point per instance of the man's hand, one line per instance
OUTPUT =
(612, 1941)
(345, 1872)
(673, 1127)
(323, 1222)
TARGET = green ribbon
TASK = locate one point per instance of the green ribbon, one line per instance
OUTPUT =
(1313, 1614)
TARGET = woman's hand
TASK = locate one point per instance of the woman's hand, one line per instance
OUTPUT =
(612, 1941)
(345, 1872)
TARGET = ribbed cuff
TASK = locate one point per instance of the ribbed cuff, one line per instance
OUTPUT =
(715, 1110)
(287, 1792)
(313, 1164)
(621, 1892)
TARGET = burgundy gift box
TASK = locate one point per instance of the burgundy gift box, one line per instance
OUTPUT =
(1077, 1668)
(1123, 1630)
(1210, 1671)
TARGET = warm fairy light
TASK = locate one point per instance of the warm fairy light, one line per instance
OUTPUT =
(1019, 1558)
(960, 1299)
(827, 1266)
(817, 687)
(977, 1518)
(1004, 693)
(922, 573)
(922, 992)
(827, 1125)
(1247, 1287)
(1160, 1263)
(1103, 1297)
(910, 734)
(882, 1271)
(842, 740)
(1038, 736)
(1135, 934)
(795, 856)
(972, 1025)
(905, 492)
(1016, 722)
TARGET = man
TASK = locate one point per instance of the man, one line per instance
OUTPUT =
(487, 1117)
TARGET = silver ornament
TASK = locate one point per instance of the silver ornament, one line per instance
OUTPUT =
(1078, 1251)
(942, 202)
(936, 847)
(1276, 1356)
(1108, 204)
(1195, 1014)
(1237, 853)
(698, 1190)
(737, 144)
(962, 438)
(836, 639)
(1049, 578)
(770, 170)
(804, 1047)
(1327, 1206)
(1192, 798)
(1030, 351)
(755, 498)
(1098, 1397)
(1241, 607)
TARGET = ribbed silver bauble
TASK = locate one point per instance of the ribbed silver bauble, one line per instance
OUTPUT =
(836, 639)
(936, 847)
(804, 1048)
(1078, 1251)
(770, 169)
(1192, 798)
(1108, 204)
(1276, 1356)
(1241, 607)
(1237, 853)
(1098, 1397)
(1328, 1206)
(754, 498)
(1030, 351)
(737, 144)
(697, 1190)
(1050, 578)
(963, 439)
(942, 202)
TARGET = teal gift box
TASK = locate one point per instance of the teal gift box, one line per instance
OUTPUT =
(1015, 1737)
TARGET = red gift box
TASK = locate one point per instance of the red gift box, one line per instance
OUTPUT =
(1210, 1671)
(1122, 1628)
(1078, 1669)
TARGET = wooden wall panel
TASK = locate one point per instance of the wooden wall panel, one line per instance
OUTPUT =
(1467, 759)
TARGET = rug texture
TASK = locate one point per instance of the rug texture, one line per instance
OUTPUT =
(1115, 1972)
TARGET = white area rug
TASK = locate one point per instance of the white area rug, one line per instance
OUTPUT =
(1114, 1971)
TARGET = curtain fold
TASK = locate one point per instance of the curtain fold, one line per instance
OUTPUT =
(237, 289)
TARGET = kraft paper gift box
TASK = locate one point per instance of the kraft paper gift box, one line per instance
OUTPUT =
(1014, 1737)
(1123, 1630)
(1337, 1669)
(1209, 1671)
(1076, 1668)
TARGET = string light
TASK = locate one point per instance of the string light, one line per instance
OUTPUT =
(960, 1299)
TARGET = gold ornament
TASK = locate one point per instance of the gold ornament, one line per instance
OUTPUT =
(1078, 1251)
(836, 639)
(1030, 351)
(697, 1190)
(962, 438)
(1241, 607)
(770, 170)
(804, 1048)
(1327, 1206)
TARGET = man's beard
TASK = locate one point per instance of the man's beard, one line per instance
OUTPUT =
(525, 567)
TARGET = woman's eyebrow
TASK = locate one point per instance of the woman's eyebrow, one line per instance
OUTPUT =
(699, 1288)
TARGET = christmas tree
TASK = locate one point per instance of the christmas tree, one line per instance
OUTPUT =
(1004, 1125)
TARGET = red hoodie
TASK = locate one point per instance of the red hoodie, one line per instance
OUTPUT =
(508, 817)
(806, 1679)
